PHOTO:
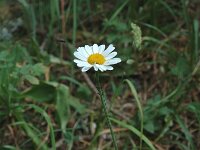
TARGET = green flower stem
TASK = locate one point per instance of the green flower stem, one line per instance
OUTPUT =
(103, 101)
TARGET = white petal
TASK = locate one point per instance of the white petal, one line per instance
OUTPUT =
(78, 61)
(112, 61)
(109, 68)
(83, 51)
(95, 48)
(88, 49)
(95, 67)
(111, 55)
(84, 69)
(80, 56)
(101, 48)
(81, 63)
(101, 67)
(108, 50)
(98, 66)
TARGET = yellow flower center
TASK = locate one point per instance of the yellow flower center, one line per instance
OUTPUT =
(96, 58)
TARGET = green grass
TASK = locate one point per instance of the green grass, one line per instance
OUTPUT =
(47, 103)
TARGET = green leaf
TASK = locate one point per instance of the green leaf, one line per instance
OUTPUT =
(63, 100)
(150, 126)
(195, 108)
(47, 91)
(84, 91)
(33, 80)
(39, 69)
(77, 105)
(62, 105)
(41, 93)
(19, 54)
(4, 56)
(56, 60)
(182, 68)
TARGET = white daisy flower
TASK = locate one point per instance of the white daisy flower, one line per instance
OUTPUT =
(97, 57)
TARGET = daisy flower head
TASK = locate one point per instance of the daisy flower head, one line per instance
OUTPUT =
(96, 57)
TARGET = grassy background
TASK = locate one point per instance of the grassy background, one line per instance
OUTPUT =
(47, 103)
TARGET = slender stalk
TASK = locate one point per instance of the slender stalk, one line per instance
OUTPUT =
(74, 22)
(103, 101)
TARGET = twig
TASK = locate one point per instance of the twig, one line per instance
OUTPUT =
(13, 136)
(90, 83)
(114, 130)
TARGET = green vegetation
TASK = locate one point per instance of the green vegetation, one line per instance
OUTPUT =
(153, 95)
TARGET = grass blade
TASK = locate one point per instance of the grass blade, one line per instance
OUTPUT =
(115, 14)
(45, 115)
(135, 131)
(134, 92)
(186, 132)
(196, 39)
(74, 22)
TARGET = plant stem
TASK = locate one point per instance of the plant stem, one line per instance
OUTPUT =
(103, 101)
